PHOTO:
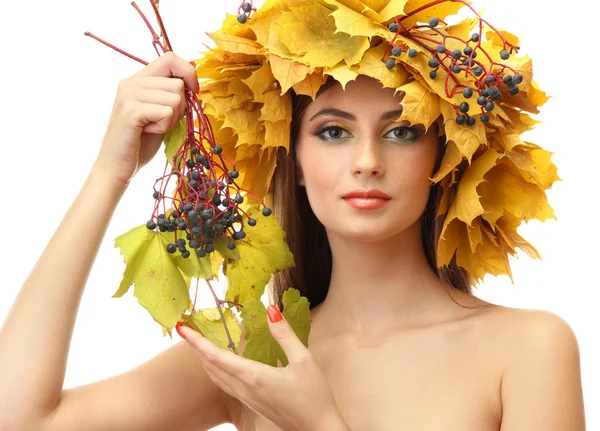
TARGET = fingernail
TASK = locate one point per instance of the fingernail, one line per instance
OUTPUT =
(274, 314)
(193, 64)
(179, 331)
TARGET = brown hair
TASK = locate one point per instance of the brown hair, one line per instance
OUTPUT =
(306, 235)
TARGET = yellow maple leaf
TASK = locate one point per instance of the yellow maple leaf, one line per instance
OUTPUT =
(343, 73)
(507, 192)
(371, 65)
(419, 106)
(441, 11)
(354, 22)
(468, 139)
(466, 204)
(287, 72)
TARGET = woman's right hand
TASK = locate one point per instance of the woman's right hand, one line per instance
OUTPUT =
(147, 105)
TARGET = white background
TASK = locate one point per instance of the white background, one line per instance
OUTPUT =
(57, 89)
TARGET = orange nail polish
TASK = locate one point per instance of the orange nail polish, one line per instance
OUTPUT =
(179, 331)
(274, 314)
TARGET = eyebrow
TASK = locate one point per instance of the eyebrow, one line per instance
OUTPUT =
(343, 114)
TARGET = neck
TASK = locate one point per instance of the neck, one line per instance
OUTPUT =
(380, 286)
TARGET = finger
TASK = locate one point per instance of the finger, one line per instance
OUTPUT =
(225, 360)
(161, 83)
(285, 336)
(168, 65)
(146, 113)
(166, 98)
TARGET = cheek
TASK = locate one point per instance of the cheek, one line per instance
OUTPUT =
(319, 169)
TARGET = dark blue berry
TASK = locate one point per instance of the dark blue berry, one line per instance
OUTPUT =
(396, 51)
(201, 253)
(504, 54)
(475, 37)
(185, 254)
(514, 91)
(461, 119)
(242, 18)
(433, 74)
(471, 121)
(464, 107)
(507, 79)
(412, 53)
(456, 68)
(246, 7)
(477, 70)
(481, 100)
(490, 79)
(151, 225)
(441, 49)
(489, 106)
(217, 149)
(456, 54)
(485, 93)
(484, 118)
(233, 174)
(231, 245)
(195, 243)
(207, 213)
(197, 231)
(517, 78)
(433, 21)
(239, 199)
(209, 248)
(195, 175)
(251, 222)
(187, 208)
(190, 163)
(433, 63)
(171, 248)
(467, 92)
(156, 195)
(266, 212)
(468, 50)
(393, 27)
(239, 235)
(390, 63)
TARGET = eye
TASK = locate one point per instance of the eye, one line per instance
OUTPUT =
(404, 133)
(331, 133)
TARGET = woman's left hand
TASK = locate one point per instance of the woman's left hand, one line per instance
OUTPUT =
(295, 397)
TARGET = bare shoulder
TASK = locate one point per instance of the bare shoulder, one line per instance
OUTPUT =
(541, 378)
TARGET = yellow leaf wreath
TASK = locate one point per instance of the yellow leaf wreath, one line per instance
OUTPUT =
(491, 179)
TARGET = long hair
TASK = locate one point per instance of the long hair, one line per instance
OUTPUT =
(306, 235)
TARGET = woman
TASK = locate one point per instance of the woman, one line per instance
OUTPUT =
(389, 336)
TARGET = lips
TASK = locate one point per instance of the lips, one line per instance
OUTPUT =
(366, 199)
(367, 194)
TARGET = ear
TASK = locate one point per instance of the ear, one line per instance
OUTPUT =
(300, 176)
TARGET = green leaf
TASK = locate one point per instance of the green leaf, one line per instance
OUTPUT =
(174, 138)
(160, 287)
(221, 246)
(262, 253)
(208, 322)
(261, 346)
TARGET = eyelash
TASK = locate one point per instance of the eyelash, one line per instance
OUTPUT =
(412, 130)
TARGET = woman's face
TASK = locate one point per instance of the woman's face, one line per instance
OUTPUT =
(350, 141)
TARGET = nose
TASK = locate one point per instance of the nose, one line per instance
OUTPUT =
(367, 159)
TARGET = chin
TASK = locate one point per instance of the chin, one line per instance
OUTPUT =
(372, 231)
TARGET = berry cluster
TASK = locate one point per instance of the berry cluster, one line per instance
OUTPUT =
(456, 61)
(244, 11)
(205, 205)
(206, 202)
